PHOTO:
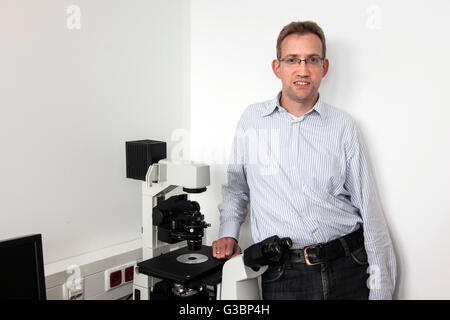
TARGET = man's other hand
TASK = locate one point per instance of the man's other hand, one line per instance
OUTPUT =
(226, 247)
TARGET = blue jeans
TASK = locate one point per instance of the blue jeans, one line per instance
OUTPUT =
(342, 278)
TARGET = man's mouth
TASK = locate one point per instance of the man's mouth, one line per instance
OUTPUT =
(301, 84)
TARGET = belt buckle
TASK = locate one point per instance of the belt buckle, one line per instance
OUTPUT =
(305, 254)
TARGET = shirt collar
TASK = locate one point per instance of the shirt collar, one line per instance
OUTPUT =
(274, 104)
(271, 105)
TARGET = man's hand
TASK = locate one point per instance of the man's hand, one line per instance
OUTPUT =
(226, 247)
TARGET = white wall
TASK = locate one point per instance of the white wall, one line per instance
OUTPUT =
(389, 70)
(69, 99)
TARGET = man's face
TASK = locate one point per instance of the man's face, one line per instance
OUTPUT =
(300, 82)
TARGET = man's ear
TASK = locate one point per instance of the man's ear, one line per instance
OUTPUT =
(326, 65)
(276, 68)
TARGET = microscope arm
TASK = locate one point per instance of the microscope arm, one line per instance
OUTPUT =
(240, 274)
(240, 282)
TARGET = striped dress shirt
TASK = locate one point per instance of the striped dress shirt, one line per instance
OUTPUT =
(308, 179)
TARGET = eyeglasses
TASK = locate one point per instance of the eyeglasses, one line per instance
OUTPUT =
(312, 61)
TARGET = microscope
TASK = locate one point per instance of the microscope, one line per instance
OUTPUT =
(176, 264)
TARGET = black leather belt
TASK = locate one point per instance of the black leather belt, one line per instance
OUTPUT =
(321, 253)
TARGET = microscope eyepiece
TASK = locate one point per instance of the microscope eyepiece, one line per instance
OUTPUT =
(266, 252)
(286, 242)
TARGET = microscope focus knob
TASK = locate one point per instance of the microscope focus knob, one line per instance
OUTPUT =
(158, 216)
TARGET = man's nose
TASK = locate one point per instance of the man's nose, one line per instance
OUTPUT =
(302, 69)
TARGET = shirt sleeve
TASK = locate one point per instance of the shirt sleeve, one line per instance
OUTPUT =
(235, 194)
(361, 185)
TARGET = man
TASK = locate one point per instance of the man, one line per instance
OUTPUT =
(318, 188)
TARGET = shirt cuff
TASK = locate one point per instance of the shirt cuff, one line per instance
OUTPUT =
(230, 229)
(379, 294)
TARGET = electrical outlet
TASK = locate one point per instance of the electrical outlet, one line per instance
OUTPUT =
(73, 290)
(118, 276)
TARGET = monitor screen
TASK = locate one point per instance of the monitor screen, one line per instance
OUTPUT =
(22, 269)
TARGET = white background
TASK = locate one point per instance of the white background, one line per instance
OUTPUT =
(69, 99)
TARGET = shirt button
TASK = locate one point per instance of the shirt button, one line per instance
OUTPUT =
(304, 214)
(317, 233)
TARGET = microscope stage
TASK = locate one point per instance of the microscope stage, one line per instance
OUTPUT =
(182, 265)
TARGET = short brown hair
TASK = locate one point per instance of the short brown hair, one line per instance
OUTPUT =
(301, 27)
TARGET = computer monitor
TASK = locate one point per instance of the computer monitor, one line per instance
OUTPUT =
(22, 269)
